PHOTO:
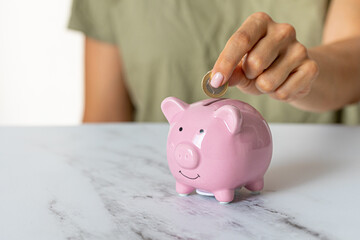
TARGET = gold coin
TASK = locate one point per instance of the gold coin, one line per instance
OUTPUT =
(210, 90)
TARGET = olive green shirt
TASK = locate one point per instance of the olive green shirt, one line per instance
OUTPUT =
(168, 45)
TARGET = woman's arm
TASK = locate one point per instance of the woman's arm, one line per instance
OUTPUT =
(338, 83)
(264, 57)
(106, 96)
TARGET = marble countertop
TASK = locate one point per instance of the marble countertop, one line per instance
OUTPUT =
(113, 182)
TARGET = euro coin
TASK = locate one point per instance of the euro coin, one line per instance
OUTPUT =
(210, 90)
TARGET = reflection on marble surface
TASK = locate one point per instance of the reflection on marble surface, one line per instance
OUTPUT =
(113, 182)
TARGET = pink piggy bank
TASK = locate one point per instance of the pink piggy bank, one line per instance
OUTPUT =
(216, 146)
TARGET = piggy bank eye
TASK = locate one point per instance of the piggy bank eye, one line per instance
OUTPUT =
(180, 129)
(201, 131)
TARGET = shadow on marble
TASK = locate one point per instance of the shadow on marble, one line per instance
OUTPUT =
(296, 172)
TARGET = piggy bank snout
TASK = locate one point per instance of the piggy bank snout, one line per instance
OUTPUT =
(187, 156)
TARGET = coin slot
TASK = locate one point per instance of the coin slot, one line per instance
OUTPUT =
(214, 101)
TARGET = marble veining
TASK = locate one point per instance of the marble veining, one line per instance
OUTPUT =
(112, 182)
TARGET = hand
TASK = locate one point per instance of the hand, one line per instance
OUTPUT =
(263, 56)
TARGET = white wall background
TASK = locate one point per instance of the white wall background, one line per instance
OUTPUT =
(40, 64)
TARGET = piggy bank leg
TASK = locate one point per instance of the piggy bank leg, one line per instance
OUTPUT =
(183, 190)
(256, 186)
(224, 196)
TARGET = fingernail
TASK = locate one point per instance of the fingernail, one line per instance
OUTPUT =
(216, 80)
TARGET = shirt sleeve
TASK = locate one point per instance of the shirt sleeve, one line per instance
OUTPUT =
(93, 18)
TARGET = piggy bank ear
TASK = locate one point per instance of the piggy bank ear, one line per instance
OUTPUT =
(170, 106)
(231, 116)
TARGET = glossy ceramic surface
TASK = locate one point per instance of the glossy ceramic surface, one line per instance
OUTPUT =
(216, 146)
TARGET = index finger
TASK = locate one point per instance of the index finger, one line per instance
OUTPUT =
(241, 42)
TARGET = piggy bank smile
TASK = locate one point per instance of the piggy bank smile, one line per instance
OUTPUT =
(192, 178)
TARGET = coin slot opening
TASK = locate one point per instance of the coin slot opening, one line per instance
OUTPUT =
(214, 101)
